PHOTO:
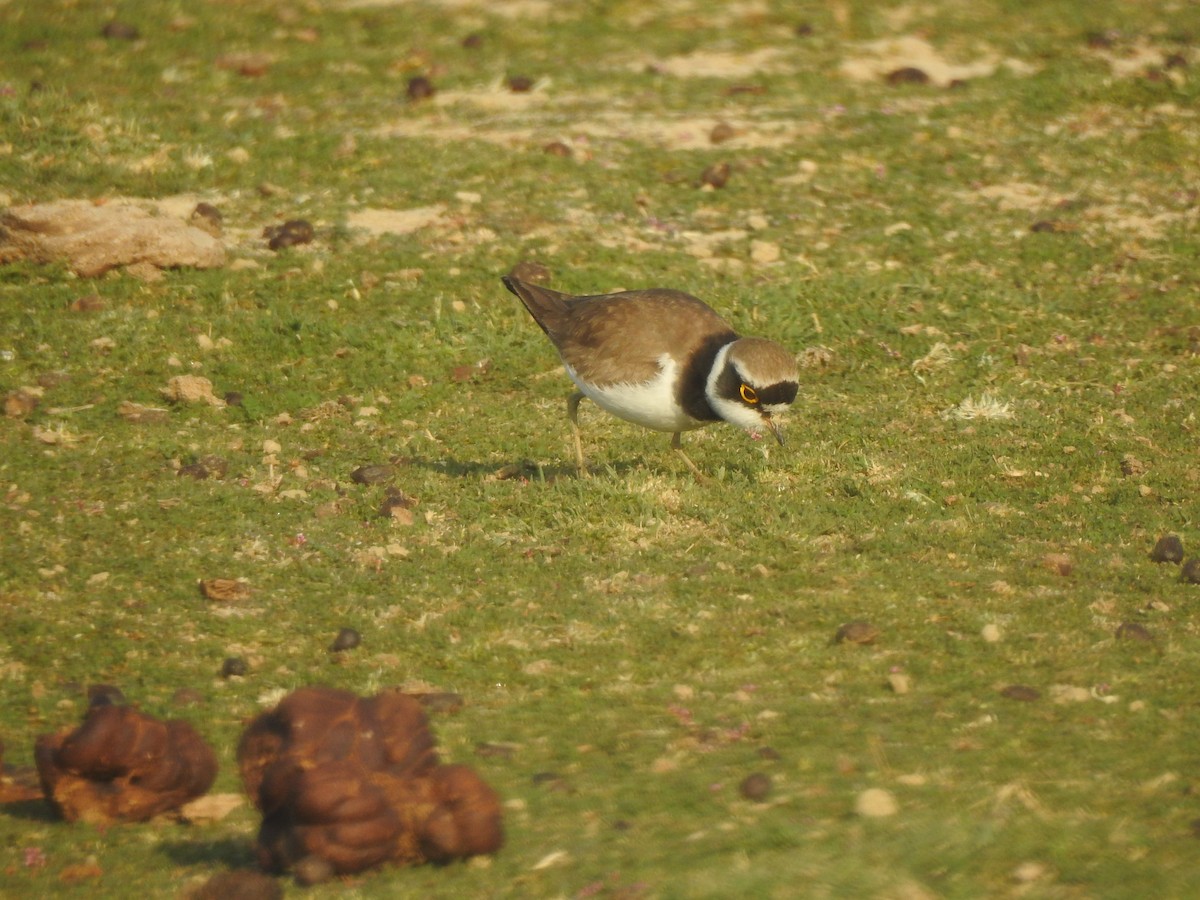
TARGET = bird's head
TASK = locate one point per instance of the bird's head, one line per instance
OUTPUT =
(751, 382)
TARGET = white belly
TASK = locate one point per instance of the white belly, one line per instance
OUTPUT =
(651, 404)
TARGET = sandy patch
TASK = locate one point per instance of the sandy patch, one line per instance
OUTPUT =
(508, 9)
(876, 59)
(1121, 217)
(377, 222)
(715, 63)
(683, 133)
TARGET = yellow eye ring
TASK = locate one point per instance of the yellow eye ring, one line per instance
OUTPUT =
(749, 394)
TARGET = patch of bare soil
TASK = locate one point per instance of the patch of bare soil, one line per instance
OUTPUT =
(875, 60)
(92, 238)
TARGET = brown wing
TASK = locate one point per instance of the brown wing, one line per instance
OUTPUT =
(614, 338)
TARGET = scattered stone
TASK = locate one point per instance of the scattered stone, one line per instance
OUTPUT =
(88, 303)
(722, 132)
(991, 633)
(1190, 573)
(899, 683)
(856, 632)
(347, 639)
(1131, 466)
(472, 41)
(291, 233)
(1029, 872)
(20, 403)
(1059, 563)
(397, 506)
(206, 467)
(208, 218)
(756, 786)
(120, 31)
(377, 474)
(520, 84)
(876, 803)
(1021, 692)
(191, 389)
(1132, 631)
(907, 75)
(225, 590)
(557, 148)
(234, 667)
(1168, 548)
(420, 88)
(715, 176)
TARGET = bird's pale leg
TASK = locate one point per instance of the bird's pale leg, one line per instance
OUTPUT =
(573, 415)
(678, 448)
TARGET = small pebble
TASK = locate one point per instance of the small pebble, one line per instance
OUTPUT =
(472, 41)
(721, 132)
(1132, 631)
(907, 75)
(233, 398)
(420, 88)
(207, 218)
(373, 474)
(347, 639)
(991, 633)
(290, 234)
(1022, 692)
(312, 870)
(557, 148)
(755, 786)
(1168, 548)
(234, 667)
(1190, 573)
(856, 632)
(716, 175)
(876, 803)
(120, 31)
(520, 84)
(899, 683)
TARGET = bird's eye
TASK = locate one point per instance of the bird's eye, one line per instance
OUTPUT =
(749, 394)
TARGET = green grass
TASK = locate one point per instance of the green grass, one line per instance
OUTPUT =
(639, 635)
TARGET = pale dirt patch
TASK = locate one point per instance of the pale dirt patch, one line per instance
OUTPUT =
(877, 58)
(93, 238)
(681, 133)
(1019, 196)
(377, 222)
(715, 63)
(509, 9)
(1136, 59)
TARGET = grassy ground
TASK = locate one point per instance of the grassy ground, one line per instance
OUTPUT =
(993, 286)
